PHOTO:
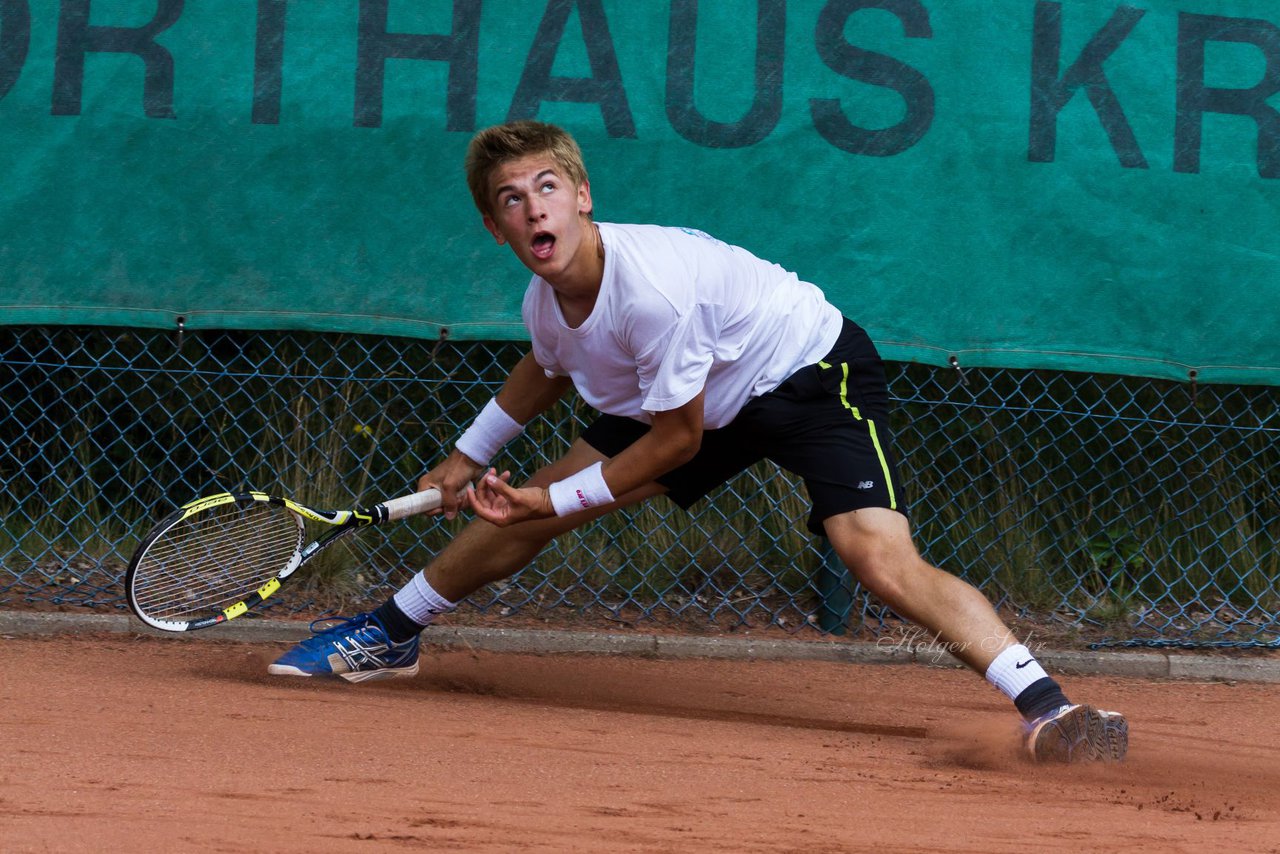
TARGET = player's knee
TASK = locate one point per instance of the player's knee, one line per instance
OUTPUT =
(882, 581)
(890, 574)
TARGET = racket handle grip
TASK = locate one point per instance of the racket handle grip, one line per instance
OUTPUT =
(411, 505)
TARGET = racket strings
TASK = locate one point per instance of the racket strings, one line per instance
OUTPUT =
(184, 593)
(212, 560)
(217, 568)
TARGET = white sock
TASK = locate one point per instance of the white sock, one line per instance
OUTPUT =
(1013, 670)
(420, 602)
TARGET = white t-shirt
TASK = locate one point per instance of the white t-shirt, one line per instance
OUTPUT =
(679, 311)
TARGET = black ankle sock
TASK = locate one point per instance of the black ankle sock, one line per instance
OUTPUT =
(1041, 696)
(399, 626)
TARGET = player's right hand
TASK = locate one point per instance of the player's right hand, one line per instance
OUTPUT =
(496, 501)
(451, 477)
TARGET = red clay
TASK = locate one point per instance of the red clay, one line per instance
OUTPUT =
(116, 744)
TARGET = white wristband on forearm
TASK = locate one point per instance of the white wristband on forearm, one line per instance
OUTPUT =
(580, 491)
(492, 429)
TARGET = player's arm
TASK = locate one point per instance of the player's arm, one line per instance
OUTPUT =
(527, 393)
(673, 438)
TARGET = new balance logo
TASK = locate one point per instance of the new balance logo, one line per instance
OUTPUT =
(865, 485)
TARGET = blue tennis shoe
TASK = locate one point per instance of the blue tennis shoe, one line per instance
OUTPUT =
(357, 649)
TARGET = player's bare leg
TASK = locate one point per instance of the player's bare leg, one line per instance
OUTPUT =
(384, 643)
(876, 545)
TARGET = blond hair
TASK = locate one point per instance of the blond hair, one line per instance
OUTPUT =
(500, 144)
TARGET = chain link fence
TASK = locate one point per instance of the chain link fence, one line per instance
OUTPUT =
(1134, 511)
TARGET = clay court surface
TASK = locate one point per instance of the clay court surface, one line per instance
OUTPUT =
(116, 743)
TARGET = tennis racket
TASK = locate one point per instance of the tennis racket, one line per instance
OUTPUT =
(215, 558)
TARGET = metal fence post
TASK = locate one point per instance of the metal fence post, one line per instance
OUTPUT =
(835, 592)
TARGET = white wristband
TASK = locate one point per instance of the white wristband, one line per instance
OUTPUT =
(492, 429)
(580, 491)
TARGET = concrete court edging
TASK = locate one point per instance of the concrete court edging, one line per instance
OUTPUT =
(1151, 664)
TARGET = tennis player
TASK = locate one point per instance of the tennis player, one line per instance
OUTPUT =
(702, 359)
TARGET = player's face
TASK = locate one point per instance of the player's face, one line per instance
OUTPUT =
(542, 215)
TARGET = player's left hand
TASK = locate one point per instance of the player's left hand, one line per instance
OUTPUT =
(495, 500)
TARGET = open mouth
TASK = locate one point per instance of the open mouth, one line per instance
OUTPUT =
(544, 243)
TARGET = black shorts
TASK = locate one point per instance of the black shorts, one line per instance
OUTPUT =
(827, 423)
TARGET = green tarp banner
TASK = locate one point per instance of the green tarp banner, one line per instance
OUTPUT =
(1084, 185)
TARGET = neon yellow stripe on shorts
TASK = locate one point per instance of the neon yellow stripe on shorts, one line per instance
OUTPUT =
(871, 428)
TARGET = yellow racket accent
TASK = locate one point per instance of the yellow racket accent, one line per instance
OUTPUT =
(242, 606)
(206, 503)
